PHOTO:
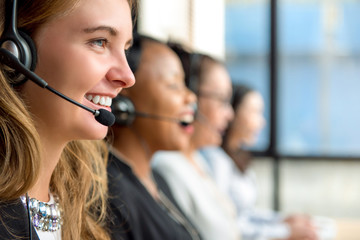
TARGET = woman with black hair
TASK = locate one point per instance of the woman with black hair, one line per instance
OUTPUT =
(155, 114)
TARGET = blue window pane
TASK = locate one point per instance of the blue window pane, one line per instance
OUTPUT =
(247, 49)
(318, 66)
(319, 71)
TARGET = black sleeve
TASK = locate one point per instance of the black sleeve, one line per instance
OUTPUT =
(14, 223)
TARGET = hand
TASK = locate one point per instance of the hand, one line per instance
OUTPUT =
(301, 228)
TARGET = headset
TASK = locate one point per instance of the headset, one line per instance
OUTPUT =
(125, 113)
(18, 60)
(18, 43)
(124, 110)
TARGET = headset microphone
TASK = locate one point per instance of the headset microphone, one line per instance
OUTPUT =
(124, 110)
(101, 115)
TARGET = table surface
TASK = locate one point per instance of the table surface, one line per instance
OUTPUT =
(347, 229)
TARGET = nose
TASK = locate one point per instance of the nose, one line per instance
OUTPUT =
(230, 113)
(120, 73)
(190, 97)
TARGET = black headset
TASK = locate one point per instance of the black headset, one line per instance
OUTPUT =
(18, 43)
(125, 113)
(124, 110)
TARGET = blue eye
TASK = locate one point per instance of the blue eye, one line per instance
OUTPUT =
(99, 42)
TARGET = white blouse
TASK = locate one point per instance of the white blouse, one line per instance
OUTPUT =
(207, 207)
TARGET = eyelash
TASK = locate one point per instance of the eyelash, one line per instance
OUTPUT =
(177, 86)
(103, 41)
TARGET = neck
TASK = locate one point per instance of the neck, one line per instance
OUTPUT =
(50, 157)
(132, 150)
(232, 142)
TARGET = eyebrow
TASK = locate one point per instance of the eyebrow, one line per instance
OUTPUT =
(111, 30)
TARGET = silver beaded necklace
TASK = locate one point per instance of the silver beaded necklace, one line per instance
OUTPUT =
(44, 216)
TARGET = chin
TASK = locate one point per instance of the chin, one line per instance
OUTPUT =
(94, 131)
(101, 134)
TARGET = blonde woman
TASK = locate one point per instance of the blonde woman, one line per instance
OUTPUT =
(49, 168)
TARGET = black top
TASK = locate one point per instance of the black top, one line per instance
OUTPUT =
(136, 215)
(14, 222)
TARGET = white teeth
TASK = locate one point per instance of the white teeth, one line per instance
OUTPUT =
(96, 99)
(188, 118)
(101, 100)
(108, 101)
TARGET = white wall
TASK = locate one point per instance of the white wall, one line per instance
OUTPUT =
(198, 24)
(165, 19)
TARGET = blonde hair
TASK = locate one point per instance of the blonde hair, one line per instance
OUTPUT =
(80, 178)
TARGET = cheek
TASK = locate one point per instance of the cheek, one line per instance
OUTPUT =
(254, 122)
(218, 118)
(210, 114)
(166, 135)
(69, 71)
(167, 104)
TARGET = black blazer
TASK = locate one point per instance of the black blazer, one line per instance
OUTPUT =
(14, 222)
(134, 214)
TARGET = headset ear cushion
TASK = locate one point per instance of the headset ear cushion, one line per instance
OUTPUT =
(124, 110)
(28, 58)
(32, 49)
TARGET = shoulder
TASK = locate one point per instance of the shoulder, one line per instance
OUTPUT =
(215, 154)
(14, 221)
(217, 158)
(169, 160)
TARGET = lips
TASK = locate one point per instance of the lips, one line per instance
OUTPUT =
(99, 100)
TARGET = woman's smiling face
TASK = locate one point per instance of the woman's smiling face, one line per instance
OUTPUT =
(82, 55)
(160, 90)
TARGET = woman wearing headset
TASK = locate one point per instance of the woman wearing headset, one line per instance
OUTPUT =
(155, 114)
(45, 152)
